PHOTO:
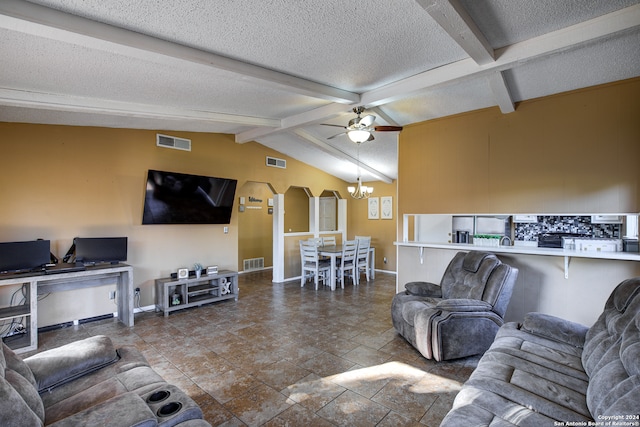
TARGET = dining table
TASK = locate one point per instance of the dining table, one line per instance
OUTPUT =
(335, 251)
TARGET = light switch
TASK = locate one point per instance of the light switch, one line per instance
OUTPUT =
(226, 230)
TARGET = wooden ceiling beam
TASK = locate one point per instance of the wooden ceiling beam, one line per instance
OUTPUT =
(454, 19)
(30, 18)
(329, 149)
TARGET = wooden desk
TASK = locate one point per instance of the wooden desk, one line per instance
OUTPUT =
(334, 251)
(40, 284)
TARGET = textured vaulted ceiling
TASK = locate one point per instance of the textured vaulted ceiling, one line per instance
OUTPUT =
(273, 71)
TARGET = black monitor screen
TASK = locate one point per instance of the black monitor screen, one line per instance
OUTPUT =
(24, 256)
(101, 249)
(178, 198)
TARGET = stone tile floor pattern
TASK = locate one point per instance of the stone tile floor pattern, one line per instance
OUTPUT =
(283, 355)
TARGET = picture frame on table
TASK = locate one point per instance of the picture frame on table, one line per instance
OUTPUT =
(373, 210)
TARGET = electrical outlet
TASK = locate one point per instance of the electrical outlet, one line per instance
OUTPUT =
(112, 294)
(384, 260)
(136, 292)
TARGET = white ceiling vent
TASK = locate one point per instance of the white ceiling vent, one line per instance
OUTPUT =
(174, 142)
(276, 163)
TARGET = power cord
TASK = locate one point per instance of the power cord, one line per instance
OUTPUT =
(136, 301)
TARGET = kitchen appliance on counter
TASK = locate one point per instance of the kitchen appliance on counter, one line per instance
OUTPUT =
(598, 245)
(578, 242)
(462, 237)
(555, 239)
(630, 245)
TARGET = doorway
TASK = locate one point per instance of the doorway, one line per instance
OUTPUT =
(255, 226)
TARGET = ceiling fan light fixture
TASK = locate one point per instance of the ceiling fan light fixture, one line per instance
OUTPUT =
(358, 136)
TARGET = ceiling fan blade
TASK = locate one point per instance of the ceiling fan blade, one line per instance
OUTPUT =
(330, 124)
(367, 121)
(338, 134)
(388, 128)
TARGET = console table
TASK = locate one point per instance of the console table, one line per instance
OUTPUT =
(176, 294)
(40, 284)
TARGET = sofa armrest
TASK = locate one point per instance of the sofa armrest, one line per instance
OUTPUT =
(424, 289)
(555, 328)
(463, 304)
(194, 423)
(127, 409)
(57, 366)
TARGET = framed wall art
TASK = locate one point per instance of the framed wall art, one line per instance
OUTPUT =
(374, 208)
(386, 207)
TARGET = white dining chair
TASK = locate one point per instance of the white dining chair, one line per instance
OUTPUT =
(329, 241)
(347, 267)
(315, 240)
(312, 265)
(362, 257)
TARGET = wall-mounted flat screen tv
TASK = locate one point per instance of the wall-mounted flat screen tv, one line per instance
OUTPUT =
(24, 256)
(178, 198)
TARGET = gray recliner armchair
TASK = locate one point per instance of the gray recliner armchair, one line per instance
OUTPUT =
(461, 316)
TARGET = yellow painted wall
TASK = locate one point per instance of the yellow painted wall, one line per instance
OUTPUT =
(577, 152)
(382, 231)
(59, 182)
(255, 224)
(570, 153)
(296, 210)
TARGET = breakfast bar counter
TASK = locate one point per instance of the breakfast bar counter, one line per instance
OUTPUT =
(561, 282)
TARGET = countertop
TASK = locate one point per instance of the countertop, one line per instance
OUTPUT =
(527, 250)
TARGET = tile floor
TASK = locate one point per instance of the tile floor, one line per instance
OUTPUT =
(283, 355)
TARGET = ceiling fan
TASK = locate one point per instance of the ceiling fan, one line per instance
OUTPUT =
(360, 129)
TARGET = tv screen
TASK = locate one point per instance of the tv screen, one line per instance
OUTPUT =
(24, 256)
(100, 249)
(178, 198)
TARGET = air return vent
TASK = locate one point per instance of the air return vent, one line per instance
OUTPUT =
(276, 163)
(253, 264)
(174, 142)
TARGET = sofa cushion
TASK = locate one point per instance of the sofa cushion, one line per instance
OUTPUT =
(610, 356)
(469, 278)
(127, 409)
(476, 407)
(552, 327)
(15, 363)
(473, 260)
(68, 362)
(15, 411)
(614, 384)
(463, 305)
(410, 309)
(27, 391)
(425, 289)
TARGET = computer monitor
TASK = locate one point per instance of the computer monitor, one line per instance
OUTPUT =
(101, 249)
(24, 256)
